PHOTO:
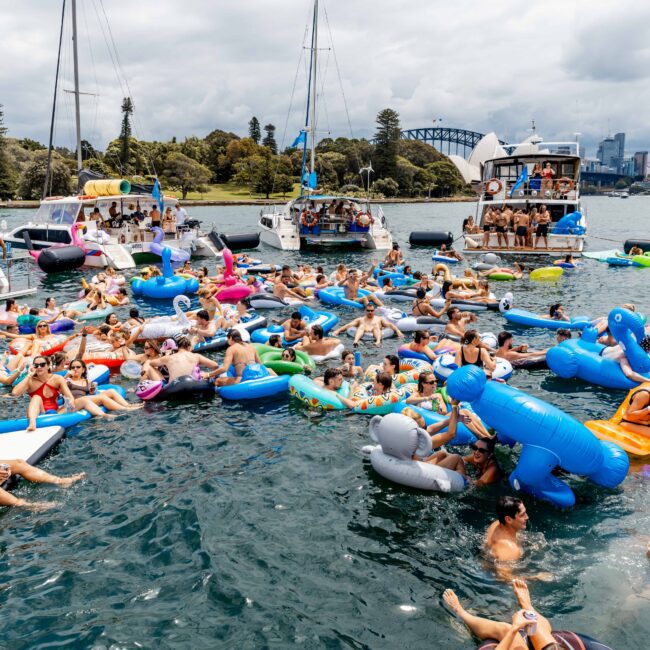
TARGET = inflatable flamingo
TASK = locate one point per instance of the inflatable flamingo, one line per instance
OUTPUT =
(233, 288)
(76, 241)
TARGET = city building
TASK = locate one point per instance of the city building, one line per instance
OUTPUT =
(640, 163)
(611, 152)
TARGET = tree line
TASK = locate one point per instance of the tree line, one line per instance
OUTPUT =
(404, 168)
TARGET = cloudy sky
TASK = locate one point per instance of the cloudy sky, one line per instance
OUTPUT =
(195, 65)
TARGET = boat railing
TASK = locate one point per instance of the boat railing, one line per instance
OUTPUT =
(563, 189)
(10, 285)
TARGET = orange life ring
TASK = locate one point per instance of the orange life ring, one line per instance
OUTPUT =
(122, 238)
(493, 186)
(308, 219)
(564, 185)
(357, 219)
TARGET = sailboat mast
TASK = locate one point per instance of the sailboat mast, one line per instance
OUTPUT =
(314, 54)
(76, 83)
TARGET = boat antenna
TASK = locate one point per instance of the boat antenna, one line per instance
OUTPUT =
(312, 163)
(77, 112)
(48, 171)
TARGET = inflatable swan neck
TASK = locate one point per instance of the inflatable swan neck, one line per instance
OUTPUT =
(227, 261)
(180, 314)
(158, 236)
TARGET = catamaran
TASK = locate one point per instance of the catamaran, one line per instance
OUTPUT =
(314, 218)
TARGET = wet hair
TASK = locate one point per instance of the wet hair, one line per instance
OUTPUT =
(421, 379)
(417, 275)
(393, 359)
(134, 313)
(33, 311)
(104, 329)
(385, 380)
(563, 331)
(468, 337)
(296, 316)
(57, 358)
(507, 507)
(552, 310)
(235, 335)
(202, 313)
(40, 356)
(286, 267)
(275, 341)
(122, 291)
(451, 311)
(9, 303)
(503, 337)
(419, 335)
(320, 277)
(446, 285)
(395, 247)
(184, 342)
(317, 331)
(47, 300)
(291, 352)
(420, 294)
(330, 374)
(345, 354)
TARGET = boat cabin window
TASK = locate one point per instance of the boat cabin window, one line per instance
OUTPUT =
(51, 235)
(60, 213)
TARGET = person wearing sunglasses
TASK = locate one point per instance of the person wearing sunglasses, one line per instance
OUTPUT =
(43, 389)
(40, 341)
(289, 354)
(371, 324)
(86, 396)
(484, 462)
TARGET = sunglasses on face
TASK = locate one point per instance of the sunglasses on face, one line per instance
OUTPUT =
(76, 367)
(39, 365)
(430, 383)
(481, 450)
(42, 325)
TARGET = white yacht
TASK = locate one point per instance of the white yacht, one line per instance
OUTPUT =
(514, 175)
(314, 219)
(120, 244)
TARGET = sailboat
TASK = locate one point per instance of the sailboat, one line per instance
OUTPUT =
(316, 219)
(120, 242)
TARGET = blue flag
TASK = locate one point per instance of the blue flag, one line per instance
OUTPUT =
(523, 177)
(157, 194)
(313, 181)
(301, 139)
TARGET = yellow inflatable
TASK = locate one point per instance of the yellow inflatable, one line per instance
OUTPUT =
(107, 187)
(614, 429)
(547, 273)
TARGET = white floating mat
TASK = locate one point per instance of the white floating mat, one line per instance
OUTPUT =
(31, 446)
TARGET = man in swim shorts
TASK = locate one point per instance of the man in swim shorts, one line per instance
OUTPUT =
(543, 221)
(501, 222)
(521, 221)
(371, 324)
(506, 350)
(294, 328)
(352, 284)
(238, 355)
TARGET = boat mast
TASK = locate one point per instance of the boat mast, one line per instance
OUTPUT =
(314, 55)
(76, 83)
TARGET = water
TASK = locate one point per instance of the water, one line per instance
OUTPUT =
(264, 526)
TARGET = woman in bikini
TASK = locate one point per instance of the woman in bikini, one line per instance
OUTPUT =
(86, 396)
(470, 354)
(43, 389)
(637, 414)
(422, 307)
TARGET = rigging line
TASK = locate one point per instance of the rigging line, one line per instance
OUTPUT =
(136, 120)
(323, 99)
(48, 172)
(338, 72)
(93, 126)
(286, 122)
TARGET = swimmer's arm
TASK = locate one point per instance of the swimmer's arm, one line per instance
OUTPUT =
(208, 363)
(65, 391)
(135, 335)
(487, 359)
(491, 475)
(392, 326)
(354, 323)
(227, 362)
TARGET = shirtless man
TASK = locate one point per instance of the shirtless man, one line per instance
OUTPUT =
(515, 353)
(294, 328)
(332, 381)
(316, 343)
(521, 222)
(238, 355)
(450, 252)
(155, 217)
(543, 221)
(371, 324)
(205, 327)
(282, 291)
(352, 284)
(184, 362)
(456, 324)
(502, 220)
(488, 225)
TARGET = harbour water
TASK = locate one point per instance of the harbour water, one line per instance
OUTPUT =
(263, 525)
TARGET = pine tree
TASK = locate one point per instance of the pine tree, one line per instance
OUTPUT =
(8, 175)
(125, 133)
(254, 131)
(386, 143)
(269, 138)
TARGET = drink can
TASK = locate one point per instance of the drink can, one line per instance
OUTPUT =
(357, 358)
(532, 617)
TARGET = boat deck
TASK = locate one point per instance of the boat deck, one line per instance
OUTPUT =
(528, 250)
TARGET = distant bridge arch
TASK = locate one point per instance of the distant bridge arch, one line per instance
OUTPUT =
(461, 138)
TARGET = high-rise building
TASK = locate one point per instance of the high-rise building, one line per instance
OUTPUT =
(611, 151)
(640, 163)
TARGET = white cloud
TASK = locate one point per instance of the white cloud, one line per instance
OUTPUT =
(196, 65)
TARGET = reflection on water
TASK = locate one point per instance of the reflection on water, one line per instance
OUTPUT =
(266, 526)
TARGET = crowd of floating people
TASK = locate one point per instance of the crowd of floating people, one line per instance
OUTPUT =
(52, 350)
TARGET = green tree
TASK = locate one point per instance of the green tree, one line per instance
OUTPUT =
(196, 149)
(33, 177)
(284, 184)
(8, 174)
(387, 139)
(31, 145)
(419, 153)
(623, 183)
(447, 178)
(221, 168)
(87, 151)
(254, 131)
(269, 138)
(136, 162)
(389, 187)
(98, 166)
(125, 134)
(184, 174)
